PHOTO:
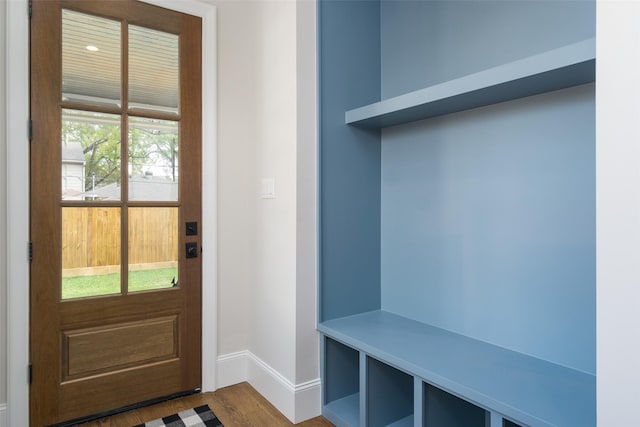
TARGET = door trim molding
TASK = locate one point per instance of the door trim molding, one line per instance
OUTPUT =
(3, 415)
(17, 176)
(208, 13)
(17, 214)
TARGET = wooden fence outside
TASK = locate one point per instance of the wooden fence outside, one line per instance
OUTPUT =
(91, 237)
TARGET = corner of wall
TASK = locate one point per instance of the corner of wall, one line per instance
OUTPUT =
(279, 347)
(3, 235)
(297, 402)
(232, 369)
(307, 342)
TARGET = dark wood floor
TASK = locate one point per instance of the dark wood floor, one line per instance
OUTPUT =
(238, 405)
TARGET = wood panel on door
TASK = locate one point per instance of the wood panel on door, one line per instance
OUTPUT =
(115, 176)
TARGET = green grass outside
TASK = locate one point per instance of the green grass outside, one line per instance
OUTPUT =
(107, 284)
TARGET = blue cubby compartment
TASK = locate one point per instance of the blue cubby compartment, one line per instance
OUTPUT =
(507, 423)
(509, 384)
(341, 399)
(442, 409)
(389, 396)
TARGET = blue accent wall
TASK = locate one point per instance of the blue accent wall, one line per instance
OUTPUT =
(480, 222)
(428, 42)
(488, 224)
(349, 38)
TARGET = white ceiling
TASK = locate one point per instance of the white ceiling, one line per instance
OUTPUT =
(96, 76)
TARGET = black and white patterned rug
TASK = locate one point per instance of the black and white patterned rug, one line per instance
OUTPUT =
(202, 416)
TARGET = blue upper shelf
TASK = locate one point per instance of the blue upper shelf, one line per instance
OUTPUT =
(555, 69)
(529, 390)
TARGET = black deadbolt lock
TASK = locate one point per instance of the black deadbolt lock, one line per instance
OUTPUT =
(191, 228)
(192, 249)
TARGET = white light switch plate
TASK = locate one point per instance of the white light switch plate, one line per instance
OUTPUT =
(268, 188)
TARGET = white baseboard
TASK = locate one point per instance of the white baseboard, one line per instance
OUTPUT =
(3, 415)
(232, 369)
(308, 400)
(297, 402)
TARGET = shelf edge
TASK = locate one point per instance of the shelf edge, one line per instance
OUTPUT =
(555, 69)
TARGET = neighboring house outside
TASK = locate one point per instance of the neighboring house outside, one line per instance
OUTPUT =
(73, 171)
(141, 187)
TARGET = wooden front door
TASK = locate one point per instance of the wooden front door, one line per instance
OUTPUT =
(115, 206)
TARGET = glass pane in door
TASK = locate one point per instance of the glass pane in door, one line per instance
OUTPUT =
(153, 159)
(91, 59)
(153, 70)
(90, 251)
(153, 248)
(90, 155)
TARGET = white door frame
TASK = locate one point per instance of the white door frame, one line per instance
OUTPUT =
(17, 175)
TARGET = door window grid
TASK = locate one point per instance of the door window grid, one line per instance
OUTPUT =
(95, 163)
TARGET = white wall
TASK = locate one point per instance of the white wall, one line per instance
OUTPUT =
(273, 292)
(3, 238)
(307, 342)
(267, 261)
(238, 43)
(618, 211)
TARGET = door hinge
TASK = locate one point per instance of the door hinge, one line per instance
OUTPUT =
(30, 8)
(30, 130)
(30, 251)
(30, 373)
